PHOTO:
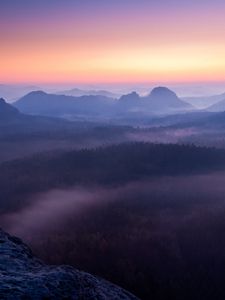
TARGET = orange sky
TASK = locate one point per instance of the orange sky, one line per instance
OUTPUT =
(136, 45)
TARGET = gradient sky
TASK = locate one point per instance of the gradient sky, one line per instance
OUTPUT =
(93, 41)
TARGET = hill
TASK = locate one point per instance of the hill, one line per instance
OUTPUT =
(8, 112)
(217, 107)
(204, 102)
(41, 103)
(163, 100)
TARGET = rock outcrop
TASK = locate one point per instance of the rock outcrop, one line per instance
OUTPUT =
(23, 276)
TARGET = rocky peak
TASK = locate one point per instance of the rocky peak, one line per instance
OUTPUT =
(130, 97)
(162, 92)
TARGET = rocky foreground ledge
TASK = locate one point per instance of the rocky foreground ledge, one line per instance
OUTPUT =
(23, 276)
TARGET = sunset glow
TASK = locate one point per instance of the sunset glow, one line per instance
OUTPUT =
(123, 41)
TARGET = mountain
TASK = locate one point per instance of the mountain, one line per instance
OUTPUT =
(217, 107)
(10, 115)
(23, 135)
(129, 102)
(14, 123)
(78, 93)
(204, 101)
(132, 97)
(23, 276)
(41, 103)
(163, 100)
(7, 112)
(160, 101)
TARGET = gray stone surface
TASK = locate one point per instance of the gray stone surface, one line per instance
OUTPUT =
(22, 276)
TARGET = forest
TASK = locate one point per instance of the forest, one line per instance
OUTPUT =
(144, 216)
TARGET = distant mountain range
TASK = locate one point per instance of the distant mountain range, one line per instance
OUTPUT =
(14, 92)
(41, 103)
(78, 93)
(160, 101)
(14, 123)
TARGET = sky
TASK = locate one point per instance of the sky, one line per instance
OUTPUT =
(119, 41)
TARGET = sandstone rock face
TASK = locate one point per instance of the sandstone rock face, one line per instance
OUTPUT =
(22, 276)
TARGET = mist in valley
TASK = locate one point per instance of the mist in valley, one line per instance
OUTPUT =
(140, 235)
(118, 189)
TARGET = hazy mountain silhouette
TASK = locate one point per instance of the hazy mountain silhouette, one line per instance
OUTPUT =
(217, 107)
(7, 111)
(204, 101)
(78, 93)
(13, 122)
(41, 103)
(129, 102)
(132, 97)
(162, 100)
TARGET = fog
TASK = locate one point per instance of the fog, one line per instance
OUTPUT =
(163, 135)
(47, 212)
(165, 233)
